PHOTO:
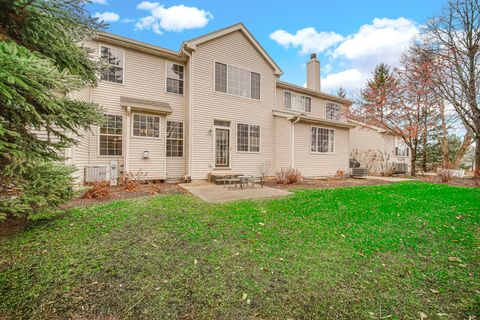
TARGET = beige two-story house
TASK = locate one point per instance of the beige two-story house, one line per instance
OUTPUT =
(217, 104)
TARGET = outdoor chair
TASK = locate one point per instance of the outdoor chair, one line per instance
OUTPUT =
(230, 180)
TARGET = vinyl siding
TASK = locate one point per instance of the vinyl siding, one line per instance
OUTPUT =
(282, 143)
(317, 164)
(208, 105)
(144, 78)
(364, 139)
(318, 105)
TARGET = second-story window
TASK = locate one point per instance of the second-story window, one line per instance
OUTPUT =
(114, 59)
(237, 81)
(292, 101)
(174, 78)
(333, 111)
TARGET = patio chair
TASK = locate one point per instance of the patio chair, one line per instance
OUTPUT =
(258, 180)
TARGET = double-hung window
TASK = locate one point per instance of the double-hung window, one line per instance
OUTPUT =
(292, 101)
(248, 138)
(111, 136)
(174, 139)
(237, 81)
(175, 77)
(322, 140)
(114, 60)
(146, 126)
(333, 111)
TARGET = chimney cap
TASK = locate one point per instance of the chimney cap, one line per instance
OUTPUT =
(313, 56)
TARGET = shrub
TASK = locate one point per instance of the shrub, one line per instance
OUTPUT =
(42, 187)
(130, 182)
(97, 190)
(339, 174)
(287, 176)
(445, 173)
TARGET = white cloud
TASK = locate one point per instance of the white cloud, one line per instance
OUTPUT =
(352, 58)
(128, 20)
(99, 1)
(308, 39)
(382, 41)
(350, 79)
(107, 16)
(175, 18)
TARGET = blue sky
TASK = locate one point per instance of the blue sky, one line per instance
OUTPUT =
(350, 37)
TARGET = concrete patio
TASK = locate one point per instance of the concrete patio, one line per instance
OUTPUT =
(210, 192)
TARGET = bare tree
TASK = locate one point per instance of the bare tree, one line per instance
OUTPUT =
(453, 38)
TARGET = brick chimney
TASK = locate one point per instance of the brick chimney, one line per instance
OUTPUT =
(313, 73)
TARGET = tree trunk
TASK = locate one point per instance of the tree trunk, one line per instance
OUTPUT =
(477, 155)
(424, 153)
(444, 139)
(467, 141)
(412, 163)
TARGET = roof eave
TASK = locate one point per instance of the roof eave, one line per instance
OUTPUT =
(323, 95)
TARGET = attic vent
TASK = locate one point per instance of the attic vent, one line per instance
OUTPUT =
(96, 173)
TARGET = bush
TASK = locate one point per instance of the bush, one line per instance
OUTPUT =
(445, 173)
(339, 174)
(97, 190)
(287, 176)
(42, 187)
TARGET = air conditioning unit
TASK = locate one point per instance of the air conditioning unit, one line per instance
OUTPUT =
(96, 173)
(359, 172)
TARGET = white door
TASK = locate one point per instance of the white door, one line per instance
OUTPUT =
(222, 148)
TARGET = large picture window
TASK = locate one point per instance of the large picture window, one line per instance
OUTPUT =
(146, 126)
(322, 140)
(237, 81)
(333, 111)
(174, 139)
(174, 78)
(248, 138)
(292, 101)
(114, 60)
(111, 136)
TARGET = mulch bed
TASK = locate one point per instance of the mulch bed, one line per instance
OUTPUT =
(325, 183)
(462, 182)
(119, 193)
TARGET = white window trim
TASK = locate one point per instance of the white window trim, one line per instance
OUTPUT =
(340, 111)
(100, 45)
(148, 115)
(293, 93)
(236, 138)
(183, 139)
(334, 142)
(233, 95)
(123, 140)
(229, 128)
(166, 77)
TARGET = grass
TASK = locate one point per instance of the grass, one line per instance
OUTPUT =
(389, 251)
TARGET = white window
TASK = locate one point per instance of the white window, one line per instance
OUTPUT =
(114, 60)
(292, 101)
(323, 140)
(174, 139)
(333, 111)
(111, 136)
(146, 126)
(237, 81)
(174, 78)
(248, 138)
(401, 149)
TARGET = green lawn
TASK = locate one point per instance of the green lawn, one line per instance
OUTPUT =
(389, 251)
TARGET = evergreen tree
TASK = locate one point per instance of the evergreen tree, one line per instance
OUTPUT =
(41, 61)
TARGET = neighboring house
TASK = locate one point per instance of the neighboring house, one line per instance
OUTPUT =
(216, 104)
(378, 150)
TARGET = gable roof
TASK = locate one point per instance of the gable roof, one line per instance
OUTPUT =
(192, 43)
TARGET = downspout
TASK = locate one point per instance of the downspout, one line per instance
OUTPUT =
(292, 139)
(190, 110)
(127, 143)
